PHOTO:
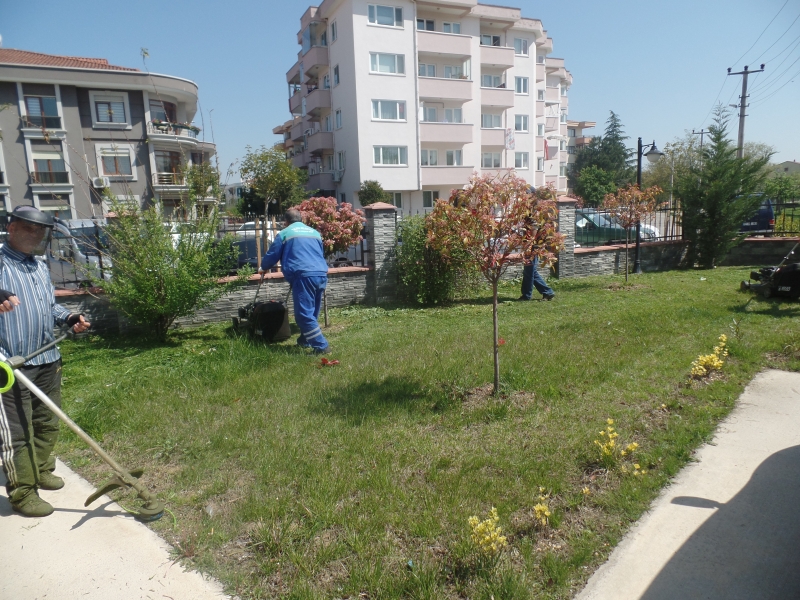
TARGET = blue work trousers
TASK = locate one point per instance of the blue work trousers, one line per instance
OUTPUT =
(307, 297)
(531, 279)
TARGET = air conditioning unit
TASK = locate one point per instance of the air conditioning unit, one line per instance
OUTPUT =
(101, 182)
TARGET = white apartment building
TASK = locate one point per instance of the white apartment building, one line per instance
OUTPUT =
(418, 95)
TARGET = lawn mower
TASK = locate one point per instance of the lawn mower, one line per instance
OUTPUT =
(783, 280)
(152, 509)
(268, 320)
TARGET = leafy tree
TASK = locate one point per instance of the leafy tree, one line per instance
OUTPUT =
(496, 222)
(592, 185)
(203, 182)
(718, 196)
(372, 192)
(783, 188)
(158, 276)
(607, 152)
(629, 205)
(680, 155)
(339, 225)
(273, 178)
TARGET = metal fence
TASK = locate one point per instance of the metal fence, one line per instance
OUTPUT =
(598, 228)
(786, 219)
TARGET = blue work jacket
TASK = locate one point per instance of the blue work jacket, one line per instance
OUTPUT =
(299, 250)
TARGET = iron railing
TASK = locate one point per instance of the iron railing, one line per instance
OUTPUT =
(41, 121)
(178, 179)
(50, 177)
(598, 228)
(177, 129)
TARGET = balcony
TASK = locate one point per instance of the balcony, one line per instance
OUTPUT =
(583, 140)
(321, 181)
(437, 88)
(540, 108)
(503, 97)
(317, 101)
(454, 133)
(540, 72)
(173, 180)
(313, 60)
(293, 74)
(299, 129)
(497, 56)
(551, 95)
(295, 103)
(493, 137)
(165, 131)
(444, 43)
(320, 141)
(455, 176)
(39, 122)
(564, 102)
(50, 177)
(300, 159)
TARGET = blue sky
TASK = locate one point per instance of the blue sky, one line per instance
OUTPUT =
(659, 65)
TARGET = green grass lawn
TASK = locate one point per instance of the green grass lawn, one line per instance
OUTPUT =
(288, 480)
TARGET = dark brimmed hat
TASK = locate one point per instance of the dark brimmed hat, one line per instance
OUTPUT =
(31, 214)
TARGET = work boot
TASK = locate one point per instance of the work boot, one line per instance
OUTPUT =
(48, 481)
(32, 506)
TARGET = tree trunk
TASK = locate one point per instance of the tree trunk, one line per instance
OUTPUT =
(627, 243)
(496, 340)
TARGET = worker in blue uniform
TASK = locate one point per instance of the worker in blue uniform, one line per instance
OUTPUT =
(299, 250)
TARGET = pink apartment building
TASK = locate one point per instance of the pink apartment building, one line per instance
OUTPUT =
(419, 95)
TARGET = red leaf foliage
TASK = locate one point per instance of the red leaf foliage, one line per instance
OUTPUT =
(630, 204)
(339, 225)
(324, 362)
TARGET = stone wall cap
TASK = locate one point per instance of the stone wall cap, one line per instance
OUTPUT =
(380, 206)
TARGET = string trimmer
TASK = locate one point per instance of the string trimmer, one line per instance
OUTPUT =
(152, 509)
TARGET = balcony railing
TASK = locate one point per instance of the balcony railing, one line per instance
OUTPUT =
(50, 177)
(178, 179)
(177, 129)
(41, 121)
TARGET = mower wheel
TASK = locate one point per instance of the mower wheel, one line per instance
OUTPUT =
(235, 322)
(766, 292)
(744, 286)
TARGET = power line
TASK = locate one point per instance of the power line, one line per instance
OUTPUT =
(763, 100)
(779, 39)
(789, 45)
(778, 78)
(775, 72)
(713, 104)
(762, 33)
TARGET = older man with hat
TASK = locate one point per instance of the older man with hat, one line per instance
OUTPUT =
(28, 312)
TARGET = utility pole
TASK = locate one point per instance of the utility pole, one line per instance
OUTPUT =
(742, 106)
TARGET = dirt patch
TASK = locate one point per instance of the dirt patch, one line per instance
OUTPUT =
(482, 396)
(617, 287)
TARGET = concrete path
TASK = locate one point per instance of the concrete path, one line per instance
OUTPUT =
(99, 553)
(729, 526)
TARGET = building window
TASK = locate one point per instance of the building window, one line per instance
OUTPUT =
(521, 84)
(328, 123)
(326, 82)
(520, 160)
(425, 25)
(116, 160)
(540, 96)
(571, 149)
(563, 117)
(540, 59)
(344, 197)
(163, 111)
(562, 145)
(391, 16)
(570, 132)
(540, 164)
(521, 123)
(41, 106)
(391, 155)
(335, 75)
(451, 27)
(334, 32)
(329, 163)
(429, 114)
(453, 115)
(427, 70)
(389, 110)
(338, 118)
(397, 199)
(454, 72)
(491, 121)
(387, 63)
(490, 40)
(520, 47)
(562, 169)
(429, 158)
(111, 110)
(455, 158)
(491, 81)
(491, 160)
(56, 204)
(340, 159)
(48, 162)
(429, 197)
(540, 129)
(563, 90)
(168, 161)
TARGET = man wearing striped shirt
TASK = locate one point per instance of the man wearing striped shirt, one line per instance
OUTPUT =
(28, 312)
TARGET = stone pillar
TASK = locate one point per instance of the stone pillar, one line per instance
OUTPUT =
(565, 267)
(382, 240)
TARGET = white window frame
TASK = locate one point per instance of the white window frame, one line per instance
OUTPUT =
(328, 122)
(336, 78)
(497, 121)
(562, 145)
(521, 160)
(433, 196)
(334, 31)
(337, 118)
(452, 25)
(563, 117)
(454, 158)
(496, 158)
(491, 37)
(564, 90)
(427, 112)
(426, 67)
(540, 129)
(562, 169)
(47, 209)
(523, 123)
(397, 199)
(540, 163)
(341, 161)
(425, 24)
(397, 64)
(428, 157)
(372, 15)
(326, 81)
(494, 79)
(540, 96)
(540, 59)
(116, 149)
(525, 84)
(523, 43)
(399, 103)
(452, 118)
(401, 150)
(103, 96)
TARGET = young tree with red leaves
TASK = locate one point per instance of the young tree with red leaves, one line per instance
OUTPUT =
(497, 222)
(629, 204)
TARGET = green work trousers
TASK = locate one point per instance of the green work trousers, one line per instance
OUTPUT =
(29, 430)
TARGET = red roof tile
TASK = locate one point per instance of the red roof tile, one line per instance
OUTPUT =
(23, 57)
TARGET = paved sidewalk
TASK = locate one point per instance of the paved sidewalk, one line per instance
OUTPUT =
(729, 526)
(94, 553)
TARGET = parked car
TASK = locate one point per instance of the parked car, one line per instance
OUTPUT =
(763, 222)
(593, 228)
(77, 255)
